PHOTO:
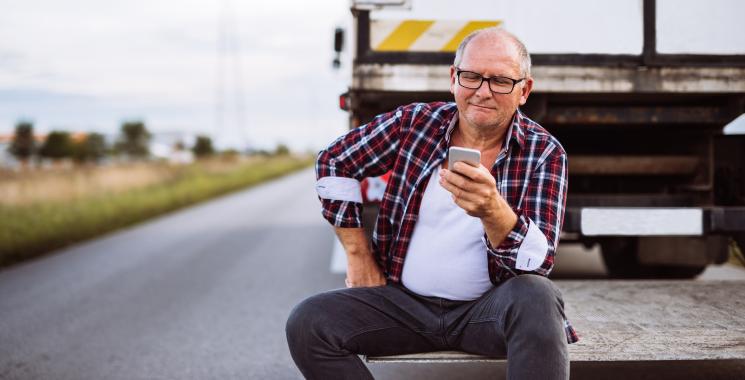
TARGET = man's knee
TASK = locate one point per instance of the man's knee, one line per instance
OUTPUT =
(307, 318)
(534, 291)
(537, 309)
(531, 286)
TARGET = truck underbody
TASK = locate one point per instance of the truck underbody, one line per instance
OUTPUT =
(652, 178)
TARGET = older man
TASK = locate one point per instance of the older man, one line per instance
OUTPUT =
(459, 255)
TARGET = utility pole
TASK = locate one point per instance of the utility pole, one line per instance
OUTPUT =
(230, 101)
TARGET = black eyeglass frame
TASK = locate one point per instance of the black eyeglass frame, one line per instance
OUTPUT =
(458, 71)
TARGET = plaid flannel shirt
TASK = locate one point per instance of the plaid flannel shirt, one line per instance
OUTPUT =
(531, 175)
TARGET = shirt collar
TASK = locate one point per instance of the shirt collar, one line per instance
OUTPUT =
(516, 132)
(450, 126)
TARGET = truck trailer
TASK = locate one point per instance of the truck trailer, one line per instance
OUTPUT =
(638, 93)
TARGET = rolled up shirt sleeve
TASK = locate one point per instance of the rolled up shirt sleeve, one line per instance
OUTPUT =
(531, 245)
(366, 151)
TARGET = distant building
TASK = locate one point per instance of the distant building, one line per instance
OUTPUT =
(6, 159)
(172, 146)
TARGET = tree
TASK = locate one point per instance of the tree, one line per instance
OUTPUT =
(23, 145)
(134, 140)
(203, 147)
(57, 145)
(282, 150)
(92, 148)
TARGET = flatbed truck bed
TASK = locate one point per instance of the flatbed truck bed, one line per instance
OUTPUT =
(636, 320)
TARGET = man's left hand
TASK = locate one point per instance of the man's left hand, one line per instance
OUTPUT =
(473, 189)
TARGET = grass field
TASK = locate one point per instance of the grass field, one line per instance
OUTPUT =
(45, 210)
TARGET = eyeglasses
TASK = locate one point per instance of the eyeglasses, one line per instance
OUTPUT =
(497, 85)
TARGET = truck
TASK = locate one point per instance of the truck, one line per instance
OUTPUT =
(638, 93)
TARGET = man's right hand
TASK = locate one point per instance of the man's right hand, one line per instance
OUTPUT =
(362, 269)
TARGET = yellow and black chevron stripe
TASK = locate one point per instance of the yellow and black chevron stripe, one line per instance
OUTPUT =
(422, 35)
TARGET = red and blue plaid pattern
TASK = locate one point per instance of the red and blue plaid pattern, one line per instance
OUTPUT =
(410, 142)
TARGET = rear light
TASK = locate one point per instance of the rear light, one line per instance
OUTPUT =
(344, 101)
(373, 188)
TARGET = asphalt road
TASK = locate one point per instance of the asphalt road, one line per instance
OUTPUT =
(204, 293)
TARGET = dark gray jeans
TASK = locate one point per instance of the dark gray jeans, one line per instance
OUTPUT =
(522, 318)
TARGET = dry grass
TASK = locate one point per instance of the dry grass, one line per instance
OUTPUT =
(44, 210)
(63, 184)
(79, 182)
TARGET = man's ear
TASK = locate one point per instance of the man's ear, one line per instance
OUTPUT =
(525, 90)
(453, 80)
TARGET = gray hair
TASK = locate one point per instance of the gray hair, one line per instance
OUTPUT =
(522, 51)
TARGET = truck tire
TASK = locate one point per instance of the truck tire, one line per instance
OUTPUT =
(620, 255)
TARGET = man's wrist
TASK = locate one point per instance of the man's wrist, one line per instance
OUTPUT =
(359, 252)
(501, 213)
(499, 224)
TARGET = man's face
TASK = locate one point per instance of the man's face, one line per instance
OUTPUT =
(489, 56)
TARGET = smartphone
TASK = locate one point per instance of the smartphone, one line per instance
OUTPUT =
(456, 153)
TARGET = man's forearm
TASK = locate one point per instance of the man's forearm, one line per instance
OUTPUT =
(362, 269)
(353, 240)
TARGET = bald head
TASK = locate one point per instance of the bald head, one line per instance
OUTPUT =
(499, 36)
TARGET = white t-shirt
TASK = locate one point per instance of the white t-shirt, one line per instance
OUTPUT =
(446, 256)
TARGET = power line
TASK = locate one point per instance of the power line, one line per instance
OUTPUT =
(230, 101)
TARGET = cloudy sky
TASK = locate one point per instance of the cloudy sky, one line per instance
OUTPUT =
(90, 64)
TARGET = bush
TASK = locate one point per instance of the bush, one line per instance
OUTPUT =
(57, 145)
(282, 150)
(91, 149)
(23, 145)
(203, 147)
(134, 140)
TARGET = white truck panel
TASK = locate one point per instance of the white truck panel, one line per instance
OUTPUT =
(599, 27)
(642, 221)
(700, 27)
(545, 26)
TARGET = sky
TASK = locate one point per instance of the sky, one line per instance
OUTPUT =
(89, 65)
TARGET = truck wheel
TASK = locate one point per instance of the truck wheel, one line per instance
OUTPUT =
(620, 255)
